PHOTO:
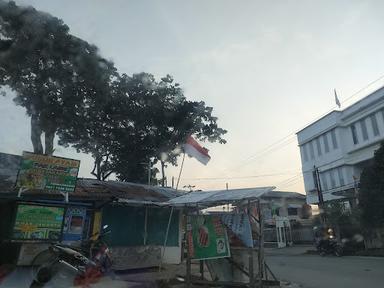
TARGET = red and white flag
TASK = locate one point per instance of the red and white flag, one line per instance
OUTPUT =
(193, 149)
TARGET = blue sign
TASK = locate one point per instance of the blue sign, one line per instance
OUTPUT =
(74, 224)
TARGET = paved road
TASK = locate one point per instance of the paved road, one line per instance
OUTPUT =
(313, 271)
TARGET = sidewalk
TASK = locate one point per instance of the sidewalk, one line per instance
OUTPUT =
(289, 251)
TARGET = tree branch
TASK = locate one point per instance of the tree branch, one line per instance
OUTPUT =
(107, 174)
(93, 170)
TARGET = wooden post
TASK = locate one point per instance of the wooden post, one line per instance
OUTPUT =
(188, 264)
(202, 269)
(166, 238)
(181, 170)
(250, 254)
(145, 226)
(261, 244)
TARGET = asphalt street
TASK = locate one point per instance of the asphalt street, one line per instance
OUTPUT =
(313, 271)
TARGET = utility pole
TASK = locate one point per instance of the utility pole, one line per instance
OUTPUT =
(149, 172)
(316, 179)
(355, 200)
(226, 186)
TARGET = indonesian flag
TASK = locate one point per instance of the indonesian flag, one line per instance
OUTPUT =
(193, 149)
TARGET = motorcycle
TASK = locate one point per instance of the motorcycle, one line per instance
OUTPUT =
(329, 245)
(91, 259)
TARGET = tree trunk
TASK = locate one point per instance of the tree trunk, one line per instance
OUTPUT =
(96, 168)
(36, 135)
(162, 173)
(49, 137)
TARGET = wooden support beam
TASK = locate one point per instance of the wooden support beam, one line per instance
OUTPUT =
(201, 269)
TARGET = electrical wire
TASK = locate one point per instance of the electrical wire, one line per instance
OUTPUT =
(279, 143)
(240, 177)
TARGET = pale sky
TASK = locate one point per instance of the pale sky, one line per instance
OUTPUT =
(267, 67)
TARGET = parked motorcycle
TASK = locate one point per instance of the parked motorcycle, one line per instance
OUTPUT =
(327, 244)
(91, 258)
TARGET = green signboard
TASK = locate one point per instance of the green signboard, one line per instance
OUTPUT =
(47, 173)
(207, 237)
(38, 222)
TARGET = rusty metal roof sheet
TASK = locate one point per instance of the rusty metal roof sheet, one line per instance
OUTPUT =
(93, 190)
(218, 197)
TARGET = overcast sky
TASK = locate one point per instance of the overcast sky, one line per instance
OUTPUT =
(267, 67)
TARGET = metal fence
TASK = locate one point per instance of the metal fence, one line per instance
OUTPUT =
(300, 235)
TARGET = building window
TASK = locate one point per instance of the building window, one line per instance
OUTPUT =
(324, 183)
(318, 147)
(332, 176)
(304, 153)
(326, 144)
(364, 129)
(334, 140)
(382, 113)
(375, 127)
(311, 151)
(354, 134)
(341, 176)
(292, 212)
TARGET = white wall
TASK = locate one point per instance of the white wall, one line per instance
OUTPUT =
(348, 155)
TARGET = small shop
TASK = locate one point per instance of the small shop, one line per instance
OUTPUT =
(35, 217)
(229, 244)
(36, 208)
(143, 235)
(37, 224)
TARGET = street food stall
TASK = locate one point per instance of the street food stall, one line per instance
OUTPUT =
(230, 244)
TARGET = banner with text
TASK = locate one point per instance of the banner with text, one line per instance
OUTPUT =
(48, 173)
(35, 222)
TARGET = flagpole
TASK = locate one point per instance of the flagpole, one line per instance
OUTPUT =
(181, 169)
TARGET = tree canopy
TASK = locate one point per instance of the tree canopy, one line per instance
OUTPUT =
(69, 90)
(371, 196)
(53, 73)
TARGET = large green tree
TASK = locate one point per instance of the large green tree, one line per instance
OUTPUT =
(371, 194)
(68, 89)
(144, 123)
(54, 74)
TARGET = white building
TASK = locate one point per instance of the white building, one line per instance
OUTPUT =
(291, 205)
(340, 145)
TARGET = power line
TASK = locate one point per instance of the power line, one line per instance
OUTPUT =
(330, 191)
(289, 179)
(278, 143)
(267, 148)
(284, 141)
(267, 151)
(365, 87)
(290, 184)
(240, 177)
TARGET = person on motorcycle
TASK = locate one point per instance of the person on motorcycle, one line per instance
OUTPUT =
(325, 241)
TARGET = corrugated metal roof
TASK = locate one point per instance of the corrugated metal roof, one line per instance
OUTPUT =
(93, 190)
(283, 194)
(86, 189)
(218, 197)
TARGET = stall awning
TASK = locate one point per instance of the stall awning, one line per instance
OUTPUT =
(294, 206)
(219, 197)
